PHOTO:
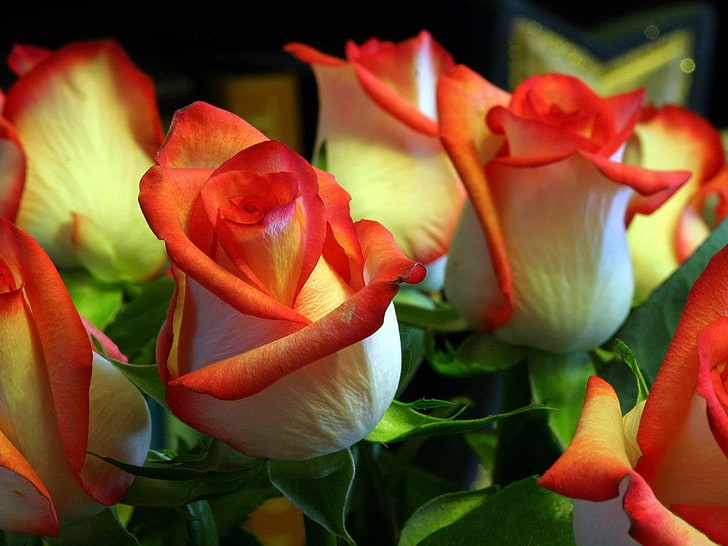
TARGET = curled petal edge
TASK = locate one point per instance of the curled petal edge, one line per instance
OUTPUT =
(359, 317)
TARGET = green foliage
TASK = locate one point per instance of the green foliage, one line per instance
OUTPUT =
(97, 301)
(560, 382)
(477, 354)
(320, 488)
(103, 528)
(137, 324)
(521, 513)
(628, 357)
(440, 317)
(650, 327)
(403, 421)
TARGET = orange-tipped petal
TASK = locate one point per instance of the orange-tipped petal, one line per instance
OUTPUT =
(671, 395)
(597, 459)
(22, 57)
(25, 503)
(62, 349)
(712, 382)
(464, 98)
(709, 519)
(89, 124)
(378, 134)
(670, 138)
(655, 524)
(202, 136)
(407, 94)
(359, 316)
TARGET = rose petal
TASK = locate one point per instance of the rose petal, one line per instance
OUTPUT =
(556, 218)
(408, 95)
(673, 390)
(596, 461)
(653, 523)
(22, 57)
(391, 169)
(463, 98)
(168, 197)
(89, 124)
(713, 351)
(671, 138)
(120, 428)
(709, 519)
(66, 350)
(320, 408)
(202, 136)
(12, 170)
(25, 504)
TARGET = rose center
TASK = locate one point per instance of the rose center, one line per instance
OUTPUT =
(248, 209)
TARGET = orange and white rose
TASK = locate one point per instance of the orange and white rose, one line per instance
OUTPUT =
(659, 475)
(61, 403)
(281, 339)
(378, 134)
(540, 256)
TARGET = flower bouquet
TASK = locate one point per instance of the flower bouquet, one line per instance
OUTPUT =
(473, 316)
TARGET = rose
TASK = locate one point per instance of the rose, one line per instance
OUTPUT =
(281, 339)
(12, 168)
(672, 137)
(659, 473)
(88, 124)
(540, 255)
(378, 134)
(61, 403)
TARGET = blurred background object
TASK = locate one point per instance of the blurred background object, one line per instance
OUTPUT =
(213, 51)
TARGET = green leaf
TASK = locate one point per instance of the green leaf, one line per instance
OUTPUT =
(559, 380)
(146, 377)
(650, 327)
(628, 357)
(478, 354)
(441, 318)
(320, 488)
(412, 340)
(103, 528)
(440, 513)
(484, 443)
(215, 469)
(402, 421)
(229, 510)
(97, 301)
(521, 513)
(136, 326)
(411, 295)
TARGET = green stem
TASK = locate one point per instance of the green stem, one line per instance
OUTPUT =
(526, 445)
(515, 392)
(200, 524)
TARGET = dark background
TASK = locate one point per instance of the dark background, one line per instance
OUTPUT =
(181, 43)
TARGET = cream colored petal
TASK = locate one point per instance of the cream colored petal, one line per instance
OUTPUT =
(213, 330)
(321, 408)
(396, 176)
(563, 227)
(602, 523)
(694, 470)
(84, 156)
(119, 427)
